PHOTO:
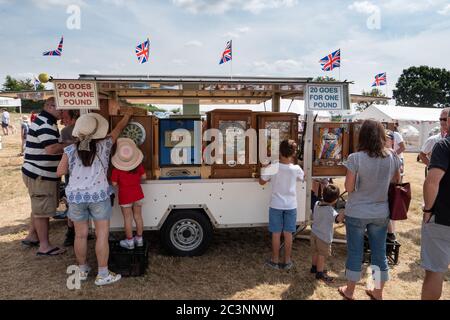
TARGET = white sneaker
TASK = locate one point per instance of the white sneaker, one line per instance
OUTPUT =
(109, 279)
(127, 244)
(139, 242)
(84, 274)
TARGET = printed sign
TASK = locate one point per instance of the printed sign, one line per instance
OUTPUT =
(76, 95)
(324, 97)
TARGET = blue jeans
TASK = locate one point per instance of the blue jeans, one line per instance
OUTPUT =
(376, 230)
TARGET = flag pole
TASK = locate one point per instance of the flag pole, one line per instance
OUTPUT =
(231, 48)
(148, 60)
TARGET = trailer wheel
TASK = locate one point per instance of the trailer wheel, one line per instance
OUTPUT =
(186, 233)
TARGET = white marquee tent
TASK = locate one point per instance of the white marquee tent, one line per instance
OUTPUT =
(415, 124)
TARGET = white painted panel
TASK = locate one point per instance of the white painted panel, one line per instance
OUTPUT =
(231, 202)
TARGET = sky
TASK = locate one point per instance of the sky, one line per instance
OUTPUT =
(283, 38)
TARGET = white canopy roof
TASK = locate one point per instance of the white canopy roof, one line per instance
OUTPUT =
(6, 102)
(386, 113)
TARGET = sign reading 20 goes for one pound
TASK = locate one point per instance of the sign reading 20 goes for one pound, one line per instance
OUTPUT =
(324, 97)
(76, 95)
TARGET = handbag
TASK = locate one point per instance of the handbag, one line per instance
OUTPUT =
(399, 200)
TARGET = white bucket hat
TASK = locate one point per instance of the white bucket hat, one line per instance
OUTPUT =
(127, 156)
(88, 127)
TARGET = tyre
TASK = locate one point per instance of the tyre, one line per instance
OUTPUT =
(186, 233)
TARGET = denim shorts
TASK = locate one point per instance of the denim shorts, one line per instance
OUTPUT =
(282, 220)
(95, 211)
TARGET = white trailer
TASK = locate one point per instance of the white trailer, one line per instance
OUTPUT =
(187, 211)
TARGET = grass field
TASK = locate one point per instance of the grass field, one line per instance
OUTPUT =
(232, 268)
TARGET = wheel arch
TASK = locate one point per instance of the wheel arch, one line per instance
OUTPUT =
(200, 208)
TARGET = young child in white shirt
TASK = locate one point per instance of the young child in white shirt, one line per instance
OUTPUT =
(283, 176)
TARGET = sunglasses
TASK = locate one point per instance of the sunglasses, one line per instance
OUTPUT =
(442, 119)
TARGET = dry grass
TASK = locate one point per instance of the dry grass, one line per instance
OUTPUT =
(231, 269)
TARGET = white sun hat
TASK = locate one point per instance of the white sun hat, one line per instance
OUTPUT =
(127, 156)
(89, 127)
(91, 124)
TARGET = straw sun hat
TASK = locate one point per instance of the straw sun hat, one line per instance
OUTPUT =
(127, 156)
(89, 127)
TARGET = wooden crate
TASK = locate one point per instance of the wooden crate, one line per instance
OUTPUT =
(148, 145)
(331, 145)
(223, 120)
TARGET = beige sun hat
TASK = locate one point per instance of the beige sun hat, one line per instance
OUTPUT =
(88, 127)
(127, 156)
(25, 118)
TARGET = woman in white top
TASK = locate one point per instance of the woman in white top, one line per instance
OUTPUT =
(88, 191)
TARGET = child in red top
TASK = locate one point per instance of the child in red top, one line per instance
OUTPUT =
(126, 175)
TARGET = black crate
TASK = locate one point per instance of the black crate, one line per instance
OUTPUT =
(128, 263)
(392, 251)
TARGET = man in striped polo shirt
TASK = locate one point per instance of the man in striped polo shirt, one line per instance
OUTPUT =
(42, 155)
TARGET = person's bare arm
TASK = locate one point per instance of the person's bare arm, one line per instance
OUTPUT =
(262, 182)
(397, 177)
(424, 158)
(401, 148)
(63, 167)
(54, 149)
(350, 181)
(115, 133)
(115, 184)
(430, 190)
(340, 217)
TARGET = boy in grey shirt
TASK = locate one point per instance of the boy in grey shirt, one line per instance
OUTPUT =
(324, 216)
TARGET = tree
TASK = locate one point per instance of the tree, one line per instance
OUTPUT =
(423, 87)
(12, 84)
(374, 93)
(325, 79)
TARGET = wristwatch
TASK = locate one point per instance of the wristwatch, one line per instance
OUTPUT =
(427, 210)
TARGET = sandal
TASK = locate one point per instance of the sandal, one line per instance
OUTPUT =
(273, 265)
(324, 277)
(30, 243)
(370, 294)
(342, 293)
(52, 252)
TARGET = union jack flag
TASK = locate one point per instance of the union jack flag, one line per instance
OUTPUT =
(226, 55)
(380, 80)
(57, 52)
(142, 51)
(331, 61)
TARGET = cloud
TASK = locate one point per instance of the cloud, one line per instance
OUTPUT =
(445, 11)
(366, 7)
(411, 6)
(46, 4)
(179, 62)
(193, 43)
(278, 66)
(222, 6)
(256, 6)
(237, 33)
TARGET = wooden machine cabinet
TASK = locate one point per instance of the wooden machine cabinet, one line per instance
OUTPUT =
(331, 149)
(285, 122)
(235, 121)
(141, 129)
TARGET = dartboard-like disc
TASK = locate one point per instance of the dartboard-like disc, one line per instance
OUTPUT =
(135, 131)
